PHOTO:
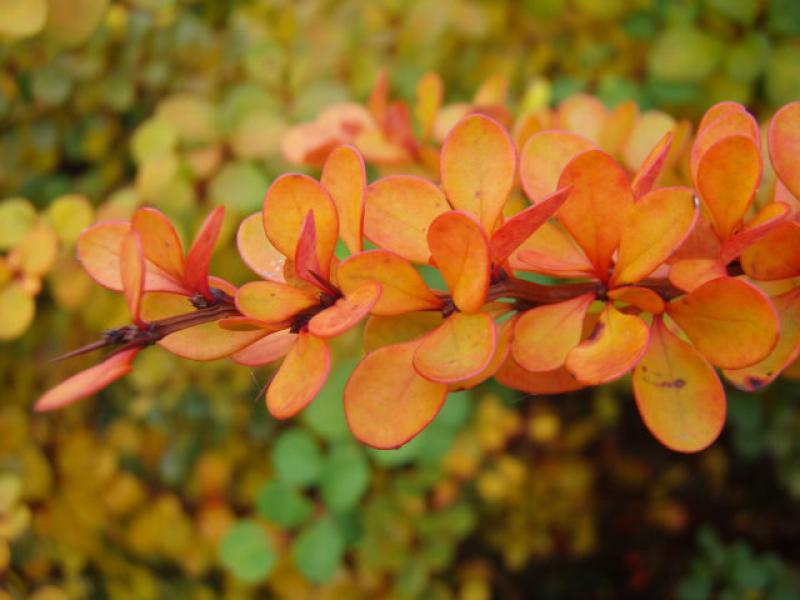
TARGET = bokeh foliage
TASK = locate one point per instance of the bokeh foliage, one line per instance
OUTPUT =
(177, 483)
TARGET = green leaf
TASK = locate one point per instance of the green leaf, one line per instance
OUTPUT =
(247, 552)
(296, 457)
(345, 477)
(684, 54)
(317, 552)
(239, 186)
(283, 504)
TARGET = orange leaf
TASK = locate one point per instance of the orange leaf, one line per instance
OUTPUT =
(551, 251)
(731, 322)
(648, 174)
(617, 343)
(785, 352)
(347, 312)
(381, 331)
(727, 179)
(690, 273)
(345, 178)
(306, 262)
(558, 381)
(458, 349)
(198, 260)
(386, 402)
(402, 288)
(784, 145)
(729, 123)
(654, 228)
(131, 266)
(288, 201)
(242, 324)
(640, 297)
(300, 377)
(399, 210)
(478, 162)
(160, 241)
(544, 336)
(88, 382)
(266, 350)
(582, 114)
(597, 207)
(271, 301)
(718, 110)
(544, 157)
(511, 234)
(461, 251)
(618, 126)
(501, 352)
(257, 251)
(429, 95)
(776, 255)
(679, 395)
(768, 218)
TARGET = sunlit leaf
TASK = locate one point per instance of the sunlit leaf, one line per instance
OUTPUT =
(784, 145)
(429, 95)
(640, 297)
(17, 309)
(266, 350)
(17, 216)
(458, 349)
(690, 273)
(505, 332)
(131, 265)
(729, 123)
(347, 312)
(198, 260)
(160, 241)
(776, 255)
(381, 331)
(650, 127)
(301, 375)
(768, 218)
(69, 215)
(650, 170)
(257, 251)
(551, 251)
(37, 252)
(345, 178)
(306, 260)
(272, 301)
(584, 115)
(544, 157)
(558, 381)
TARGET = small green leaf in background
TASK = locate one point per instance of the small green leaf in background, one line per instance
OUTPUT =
(345, 476)
(239, 186)
(318, 550)
(325, 415)
(283, 504)
(247, 552)
(297, 457)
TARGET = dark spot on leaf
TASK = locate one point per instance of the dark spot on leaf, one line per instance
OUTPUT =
(754, 383)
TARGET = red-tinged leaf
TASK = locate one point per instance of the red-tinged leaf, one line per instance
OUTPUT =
(382, 331)
(551, 251)
(402, 288)
(718, 110)
(655, 227)
(198, 260)
(502, 349)
(478, 162)
(271, 301)
(131, 267)
(642, 298)
(160, 241)
(544, 157)
(730, 123)
(770, 217)
(618, 126)
(782, 194)
(457, 350)
(597, 206)
(386, 402)
(582, 114)
(266, 350)
(617, 343)
(648, 174)
(545, 335)
(429, 96)
(776, 255)
(784, 145)
(727, 178)
(344, 176)
(257, 251)
(87, 382)
(690, 273)
(347, 312)
(702, 242)
(378, 101)
(678, 393)
(461, 252)
(300, 377)
(787, 349)
(306, 262)
(399, 210)
(98, 252)
(288, 201)
(558, 381)
(649, 128)
(731, 322)
(511, 234)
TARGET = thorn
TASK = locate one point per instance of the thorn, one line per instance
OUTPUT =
(84, 350)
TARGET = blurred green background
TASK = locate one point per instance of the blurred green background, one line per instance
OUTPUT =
(175, 483)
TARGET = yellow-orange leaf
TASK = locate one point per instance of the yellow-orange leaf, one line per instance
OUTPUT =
(399, 210)
(640, 297)
(597, 206)
(429, 95)
(266, 350)
(776, 255)
(460, 249)
(784, 145)
(728, 123)
(402, 288)
(478, 162)
(544, 157)
(457, 350)
(718, 110)
(386, 402)
(347, 312)
(345, 178)
(131, 266)
(198, 260)
(618, 126)
(679, 395)
(543, 336)
(690, 273)
(582, 114)
(381, 331)
(654, 228)
(731, 322)
(160, 241)
(786, 350)
(551, 251)
(648, 174)
(257, 251)
(727, 179)
(272, 301)
(300, 377)
(768, 218)
(501, 352)
(558, 381)
(617, 343)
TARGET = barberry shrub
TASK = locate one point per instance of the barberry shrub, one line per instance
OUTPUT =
(565, 264)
